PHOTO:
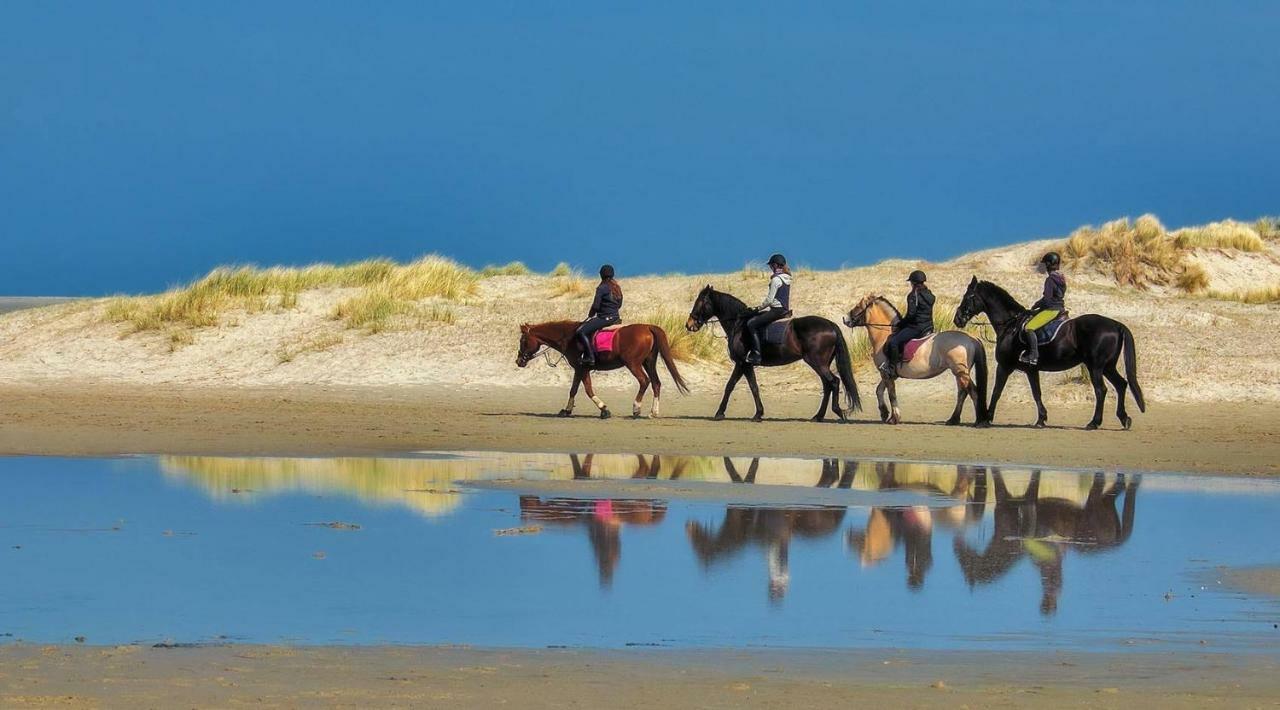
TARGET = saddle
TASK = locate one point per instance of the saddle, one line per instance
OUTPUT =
(776, 332)
(604, 339)
(1049, 331)
(909, 350)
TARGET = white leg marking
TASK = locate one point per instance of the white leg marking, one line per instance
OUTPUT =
(656, 408)
(635, 408)
(599, 402)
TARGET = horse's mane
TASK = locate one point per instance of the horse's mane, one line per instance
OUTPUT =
(875, 297)
(995, 291)
(726, 301)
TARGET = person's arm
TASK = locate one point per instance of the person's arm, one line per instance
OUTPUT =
(595, 304)
(774, 284)
(1044, 297)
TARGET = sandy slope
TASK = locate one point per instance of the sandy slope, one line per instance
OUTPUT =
(1190, 348)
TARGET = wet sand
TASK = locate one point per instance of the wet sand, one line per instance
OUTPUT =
(67, 419)
(1262, 581)
(271, 676)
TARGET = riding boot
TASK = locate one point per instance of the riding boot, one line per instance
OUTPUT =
(588, 358)
(1032, 354)
(753, 347)
(889, 369)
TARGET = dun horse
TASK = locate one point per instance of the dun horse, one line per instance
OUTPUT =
(951, 351)
(813, 339)
(1092, 340)
(636, 347)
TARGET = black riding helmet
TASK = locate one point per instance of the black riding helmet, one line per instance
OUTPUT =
(1051, 260)
(916, 277)
(606, 271)
(777, 260)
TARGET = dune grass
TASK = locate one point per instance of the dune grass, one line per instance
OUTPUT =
(320, 342)
(513, 268)
(1143, 253)
(1268, 228)
(568, 282)
(701, 346)
(1256, 296)
(388, 288)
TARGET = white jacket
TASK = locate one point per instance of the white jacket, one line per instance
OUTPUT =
(778, 281)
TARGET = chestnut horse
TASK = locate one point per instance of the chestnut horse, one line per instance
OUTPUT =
(635, 347)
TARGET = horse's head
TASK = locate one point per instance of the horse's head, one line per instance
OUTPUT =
(703, 310)
(530, 344)
(971, 305)
(858, 315)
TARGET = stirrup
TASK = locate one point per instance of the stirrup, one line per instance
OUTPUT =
(889, 370)
(1026, 359)
(754, 357)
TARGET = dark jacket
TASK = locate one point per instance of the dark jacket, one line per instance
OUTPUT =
(1055, 293)
(606, 304)
(919, 310)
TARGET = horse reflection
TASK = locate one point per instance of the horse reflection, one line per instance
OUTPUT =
(603, 518)
(769, 528)
(912, 527)
(1043, 529)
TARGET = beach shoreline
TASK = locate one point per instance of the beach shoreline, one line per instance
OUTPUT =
(104, 420)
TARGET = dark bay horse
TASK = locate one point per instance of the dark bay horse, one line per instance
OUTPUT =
(813, 339)
(1092, 340)
(636, 347)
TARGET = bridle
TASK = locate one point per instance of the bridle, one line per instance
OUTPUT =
(544, 351)
(997, 328)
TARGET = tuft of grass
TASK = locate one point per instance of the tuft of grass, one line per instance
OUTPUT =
(437, 313)
(371, 310)
(752, 271)
(562, 269)
(685, 346)
(1193, 278)
(514, 268)
(179, 339)
(1256, 296)
(1227, 234)
(571, 284)
(1268, 228)
(287, 352)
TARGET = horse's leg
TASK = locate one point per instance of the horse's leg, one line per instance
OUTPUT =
(591, 392)
(1042, 416)
(728, 390)
(637, 371)
(884, 409)
(651, 369)
(750, 372)
(825, 375)
(573, 393)
(962, 393)
(1099, 396)
(1002, 377)
(1122, 388)
(895, 416)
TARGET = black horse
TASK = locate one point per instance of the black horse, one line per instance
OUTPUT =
(1092, 340)
(813, 339)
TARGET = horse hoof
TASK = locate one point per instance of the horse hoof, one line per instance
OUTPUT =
(719, 417)
(605, 414)
(564, 413)
(982, 424)
(1127, 422)
(1040, 424)
(952, 422)
(758, 418)
(1091, 426)
(816, 418)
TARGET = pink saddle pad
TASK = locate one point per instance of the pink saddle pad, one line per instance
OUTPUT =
(909, 350)
(604, 340)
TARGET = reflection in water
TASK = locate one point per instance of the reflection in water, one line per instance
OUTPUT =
(1066, 511)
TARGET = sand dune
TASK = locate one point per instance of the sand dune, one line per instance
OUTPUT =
(1191, 348)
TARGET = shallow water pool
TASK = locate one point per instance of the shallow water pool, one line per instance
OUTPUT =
(628, 550)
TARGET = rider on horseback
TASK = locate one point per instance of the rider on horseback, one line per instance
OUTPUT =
(776, 306)
(1049, 307)
(605, 311)
(917, 323)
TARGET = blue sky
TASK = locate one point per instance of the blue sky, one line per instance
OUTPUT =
(143, 143)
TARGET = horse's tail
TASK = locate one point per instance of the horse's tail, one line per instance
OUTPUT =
(844, 365)
(1131, 367)
(980, 377)
(664, 348)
